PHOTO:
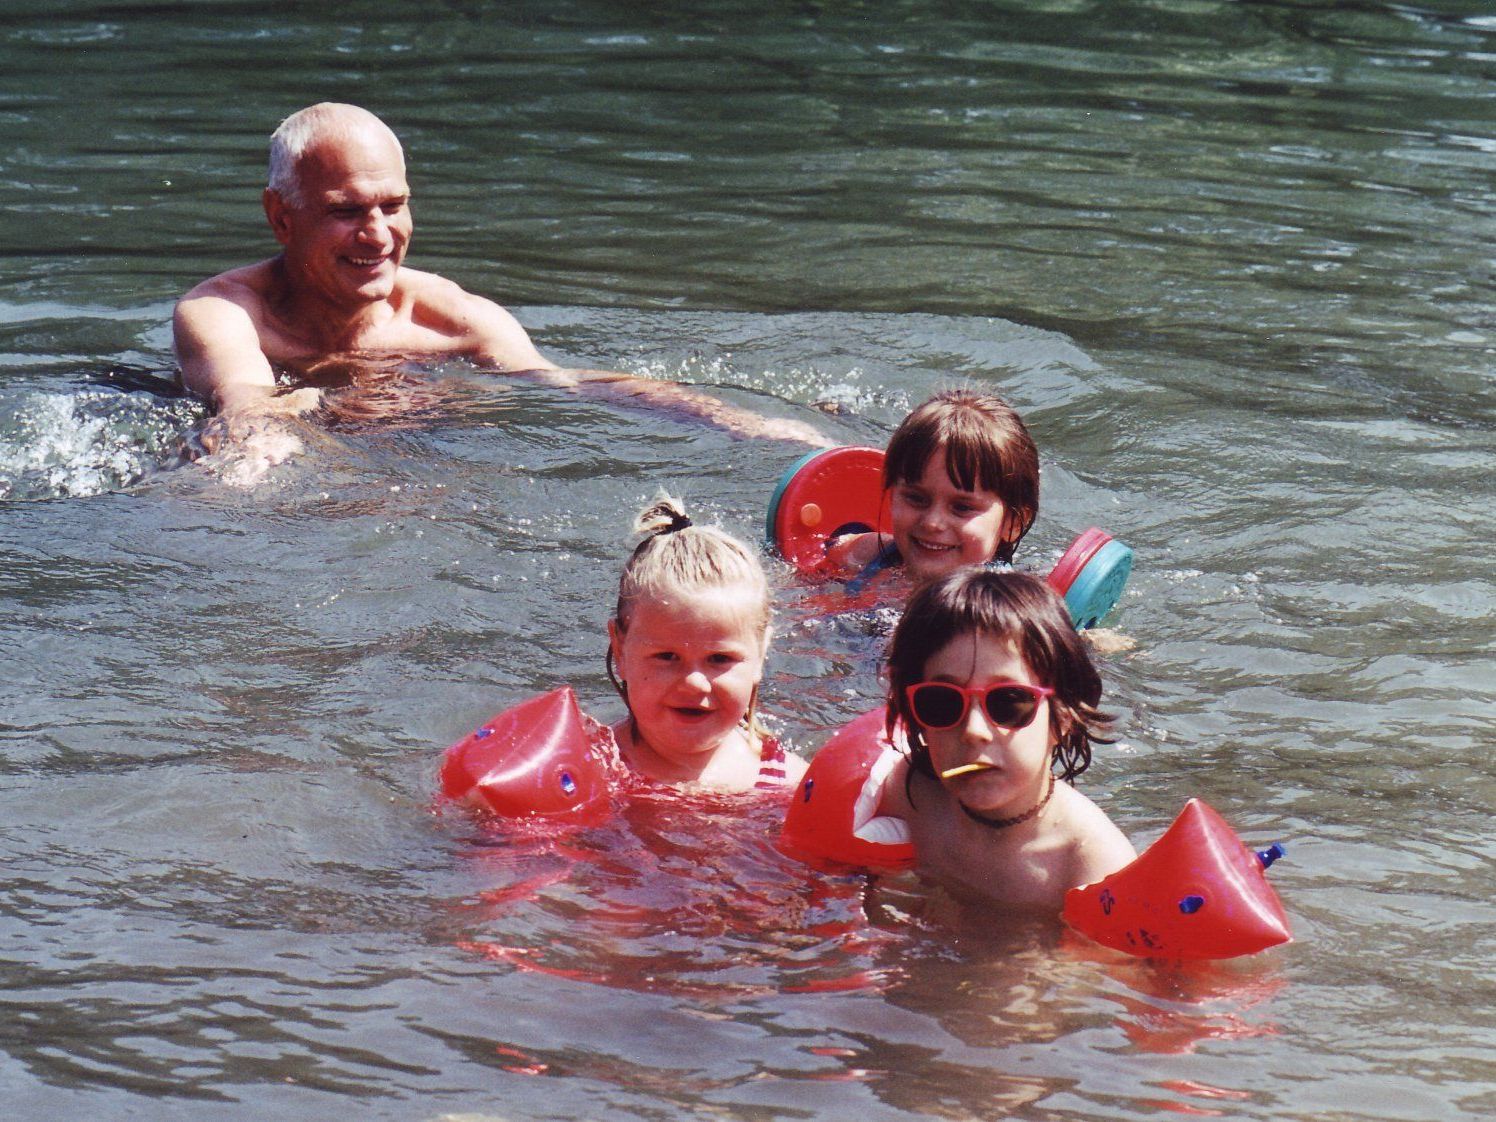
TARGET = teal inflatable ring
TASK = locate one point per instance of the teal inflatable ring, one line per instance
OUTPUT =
(1099, 585)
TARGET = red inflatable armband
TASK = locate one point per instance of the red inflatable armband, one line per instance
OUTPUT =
(819, 494)
(1197, 892)
(534, 760)
(832, 812)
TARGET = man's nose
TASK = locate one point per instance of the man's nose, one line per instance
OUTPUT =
(373, 227)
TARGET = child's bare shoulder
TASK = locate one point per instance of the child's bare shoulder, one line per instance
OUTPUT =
(893, 796)
(1097, 848)
(794, 767)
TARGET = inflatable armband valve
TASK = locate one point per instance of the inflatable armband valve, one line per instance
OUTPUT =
(832, 812)
(534, 760)
(1197, 892)
(1091, 576)
(820, 493)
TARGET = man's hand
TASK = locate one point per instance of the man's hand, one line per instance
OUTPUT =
(254, 426)
(779, 428)
(246, 440)
(1107, 640)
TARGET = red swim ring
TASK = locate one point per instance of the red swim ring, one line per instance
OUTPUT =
(540, 759)
(819, 494)
(1197, 892)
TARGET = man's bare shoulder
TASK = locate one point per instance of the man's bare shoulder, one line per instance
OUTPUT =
(444, 304)
(483, 330)
(247, 286)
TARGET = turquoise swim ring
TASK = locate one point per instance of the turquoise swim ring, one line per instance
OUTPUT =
(771, 529)
(1099, 585)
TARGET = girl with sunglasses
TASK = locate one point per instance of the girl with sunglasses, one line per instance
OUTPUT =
(996, 696)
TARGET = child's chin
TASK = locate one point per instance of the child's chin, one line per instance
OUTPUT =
(926, 569)
(704, 733)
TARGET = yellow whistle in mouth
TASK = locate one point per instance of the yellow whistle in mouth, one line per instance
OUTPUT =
(964, 769)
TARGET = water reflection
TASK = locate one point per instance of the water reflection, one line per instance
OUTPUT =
(682, 898)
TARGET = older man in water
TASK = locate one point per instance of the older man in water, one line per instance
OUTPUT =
(339, 294)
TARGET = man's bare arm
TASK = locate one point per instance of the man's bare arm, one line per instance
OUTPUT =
(505, 345)
(685, 401)
(218, 350)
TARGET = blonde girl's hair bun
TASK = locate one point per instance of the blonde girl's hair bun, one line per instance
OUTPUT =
(666, 515)
(675, 557)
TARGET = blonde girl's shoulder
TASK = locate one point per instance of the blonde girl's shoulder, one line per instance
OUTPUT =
(794, 767)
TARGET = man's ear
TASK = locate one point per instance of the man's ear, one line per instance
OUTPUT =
(278, 213)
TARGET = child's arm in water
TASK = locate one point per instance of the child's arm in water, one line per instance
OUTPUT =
(852, 552)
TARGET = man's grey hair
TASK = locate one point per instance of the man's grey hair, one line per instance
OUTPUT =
(307, 127)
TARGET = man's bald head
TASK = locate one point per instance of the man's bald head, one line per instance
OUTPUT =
(306, 129)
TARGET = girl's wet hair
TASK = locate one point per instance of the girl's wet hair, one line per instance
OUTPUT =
(986, 447)
(678, 558)
(1018, 607)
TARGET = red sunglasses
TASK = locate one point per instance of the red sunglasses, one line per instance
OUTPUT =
(941, 705)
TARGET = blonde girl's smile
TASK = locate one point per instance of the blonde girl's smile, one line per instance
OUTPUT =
(690, 670)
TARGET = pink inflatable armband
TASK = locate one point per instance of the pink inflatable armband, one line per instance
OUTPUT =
(534, 760)
(818, 495)
(832, 815)
(1197, 892)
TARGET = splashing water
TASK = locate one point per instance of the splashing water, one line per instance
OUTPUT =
(60, 445)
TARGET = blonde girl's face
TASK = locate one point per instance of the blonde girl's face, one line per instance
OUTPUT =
(691, 665)
(1017, 760)
(938, 527)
